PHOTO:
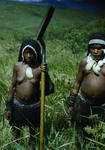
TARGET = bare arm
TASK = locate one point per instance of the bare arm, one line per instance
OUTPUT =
(75, 89)
(13, 85)
(49, 85)
(9, 101)
(79, 77)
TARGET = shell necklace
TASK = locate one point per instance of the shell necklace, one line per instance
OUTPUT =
(92, 64)
(29, 73)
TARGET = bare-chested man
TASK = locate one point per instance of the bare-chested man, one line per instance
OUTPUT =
(88, 93)
(23, 106)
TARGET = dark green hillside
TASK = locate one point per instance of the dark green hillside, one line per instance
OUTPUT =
(66, 39)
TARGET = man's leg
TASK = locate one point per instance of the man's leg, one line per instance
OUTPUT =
(16, 132)
(32, 139)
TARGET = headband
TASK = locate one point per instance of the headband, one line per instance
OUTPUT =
(97, 41)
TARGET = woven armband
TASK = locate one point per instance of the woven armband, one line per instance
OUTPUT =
(72, 98)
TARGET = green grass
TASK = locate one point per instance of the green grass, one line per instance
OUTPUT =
(66, 39)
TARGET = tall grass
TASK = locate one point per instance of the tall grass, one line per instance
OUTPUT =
(66, 39)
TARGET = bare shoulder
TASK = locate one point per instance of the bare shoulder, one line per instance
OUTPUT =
(18, 65)
(83, 62)
(37, 70)
(103, 69)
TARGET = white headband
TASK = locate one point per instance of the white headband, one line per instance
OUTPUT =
(29, 46)
(97, 41)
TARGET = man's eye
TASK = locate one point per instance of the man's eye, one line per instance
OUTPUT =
(99, 48)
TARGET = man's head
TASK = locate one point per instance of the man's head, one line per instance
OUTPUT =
(30, 52)
(29, 55)
(96, 45)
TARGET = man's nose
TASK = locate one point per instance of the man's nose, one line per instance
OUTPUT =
(28, 54)
(95, 50)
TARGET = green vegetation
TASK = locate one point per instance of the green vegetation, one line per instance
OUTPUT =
(66, 39)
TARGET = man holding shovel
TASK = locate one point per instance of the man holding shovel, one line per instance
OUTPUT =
(23, 105)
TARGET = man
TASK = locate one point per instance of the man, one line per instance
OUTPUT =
(87, 96)
(23, 106)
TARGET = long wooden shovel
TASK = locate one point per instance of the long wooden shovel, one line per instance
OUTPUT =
(41, 32)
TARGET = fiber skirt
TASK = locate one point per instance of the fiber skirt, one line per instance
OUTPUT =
(82, 110)
(24, 114)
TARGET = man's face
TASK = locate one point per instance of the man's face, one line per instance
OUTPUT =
(96, 50)
(29, 55)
